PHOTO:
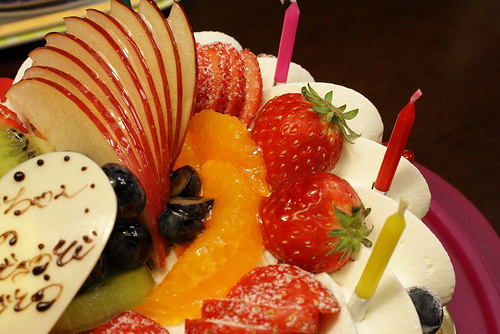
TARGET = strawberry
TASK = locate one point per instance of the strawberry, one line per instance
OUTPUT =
(9, 118)
(301, 133)
(253, 88)
(129, 322)
(236, 81)
(284, 285)
(202, 326)
(240, 311)
(5, 83)
(314, 221)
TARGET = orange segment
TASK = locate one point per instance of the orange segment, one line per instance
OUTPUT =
(230, 246)
(212, 135)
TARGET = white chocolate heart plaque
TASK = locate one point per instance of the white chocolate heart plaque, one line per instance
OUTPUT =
(56, 214)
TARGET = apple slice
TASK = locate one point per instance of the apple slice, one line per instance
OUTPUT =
(161, 31)
(66, 127)
(91, 83)
(140, 51)
(98, 39)
(103, 77)
(184, 39)
(97, 112)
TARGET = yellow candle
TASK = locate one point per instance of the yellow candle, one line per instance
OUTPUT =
(382, 252)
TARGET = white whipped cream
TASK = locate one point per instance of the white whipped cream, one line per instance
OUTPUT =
(267, 64)
(207, 37)
(360, 162)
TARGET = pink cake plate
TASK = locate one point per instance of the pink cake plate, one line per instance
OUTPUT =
(474, 248)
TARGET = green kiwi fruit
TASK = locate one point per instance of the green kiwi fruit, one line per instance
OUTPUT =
(17, 147)
(120, 291)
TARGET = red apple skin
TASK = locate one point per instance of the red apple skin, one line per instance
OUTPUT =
(97, 38)
(149, 11)
(135, 29)
(184, 39)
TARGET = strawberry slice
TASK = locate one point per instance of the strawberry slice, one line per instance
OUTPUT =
(286, 318)
(129, 322)
(236, 82)
(9, 118)
(5, 83)
(284, 285)
(205, 77)
(201, 326)
(253, 87)
(211, 59)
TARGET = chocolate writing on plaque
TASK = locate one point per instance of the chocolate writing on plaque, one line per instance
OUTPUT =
(13, 270)
(20, 202)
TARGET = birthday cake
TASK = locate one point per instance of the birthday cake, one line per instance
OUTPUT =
(165, 135)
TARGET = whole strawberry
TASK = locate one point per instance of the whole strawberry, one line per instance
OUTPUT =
(314, 221)
(301, 133)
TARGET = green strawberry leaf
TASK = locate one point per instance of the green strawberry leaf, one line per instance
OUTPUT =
(336, 115)
(353, 233)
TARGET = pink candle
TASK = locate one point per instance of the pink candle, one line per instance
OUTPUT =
(396, 144)
(286, 43)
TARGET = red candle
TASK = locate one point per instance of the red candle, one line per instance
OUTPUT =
(396, 144)
(287, 41)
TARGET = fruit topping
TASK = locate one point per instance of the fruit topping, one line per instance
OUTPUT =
(229, 80)
(17, 147)
(314, 221)
(5, 83)
(284, 285)
(195, 207)
(212, 135)
(9, 118)
(185, 182)
(129, 322)
(120, 291)
(201, 326)
(253, 88)
(179, 228)
(129, 192)
(275, 298)
(301, 133)
(129, 245)
(229, 247)
(429, 308)
(239, 311)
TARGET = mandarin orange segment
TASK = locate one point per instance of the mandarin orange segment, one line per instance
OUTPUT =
(230, 246)
(212, 135)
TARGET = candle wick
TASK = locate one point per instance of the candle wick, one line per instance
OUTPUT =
(416, 96)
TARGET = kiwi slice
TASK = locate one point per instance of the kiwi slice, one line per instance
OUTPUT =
(17, 147)
(119, 291)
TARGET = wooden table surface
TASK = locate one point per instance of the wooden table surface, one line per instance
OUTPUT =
(386, 50)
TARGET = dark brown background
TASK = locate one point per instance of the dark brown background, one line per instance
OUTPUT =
(386, 50)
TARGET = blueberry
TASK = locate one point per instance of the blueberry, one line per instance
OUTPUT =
(429, 308)
(179, 228)
(185, 182)
(194, 207)
(96, 276)
(129, 245)
(129, 192)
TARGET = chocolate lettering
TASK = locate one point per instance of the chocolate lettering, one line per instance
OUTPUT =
(42, 299)
(19, 204)
(73, 251)
(13, 269)
(9, 234)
